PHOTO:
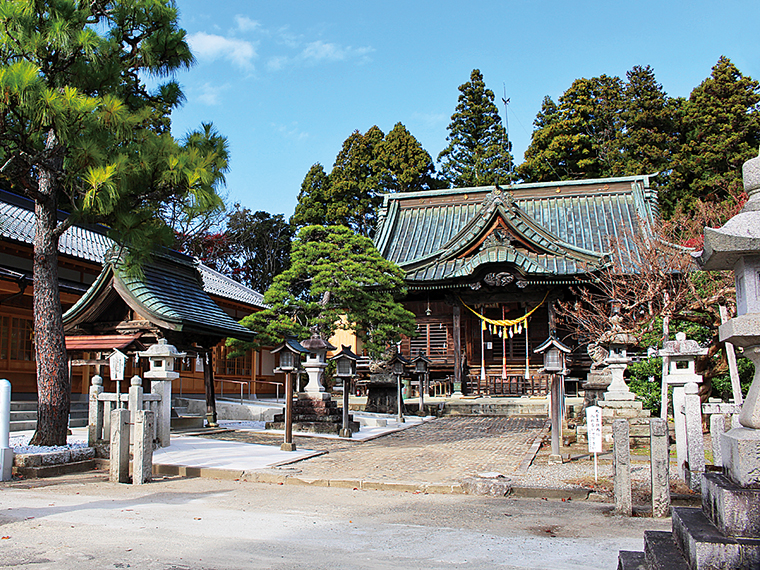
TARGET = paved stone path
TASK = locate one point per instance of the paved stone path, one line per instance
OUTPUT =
(444, 451)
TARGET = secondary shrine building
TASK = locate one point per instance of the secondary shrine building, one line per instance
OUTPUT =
(485, 265)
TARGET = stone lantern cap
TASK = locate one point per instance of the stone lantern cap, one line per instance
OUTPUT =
(316, 344)
(162, 349)
(682, 347)
(160, 356)
(740, 236)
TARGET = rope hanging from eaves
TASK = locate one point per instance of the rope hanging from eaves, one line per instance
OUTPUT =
(504, 322)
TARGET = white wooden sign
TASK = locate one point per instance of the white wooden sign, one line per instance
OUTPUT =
(594, 427)
(198, 363)
(117, 362)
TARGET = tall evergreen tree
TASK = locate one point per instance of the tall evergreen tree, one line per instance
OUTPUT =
(721, 130)
(478, 153)
(80, 131)
(311, 209)
(579, 138)
(406, 166)
(650, 135)
(367, 166)
(355, 182)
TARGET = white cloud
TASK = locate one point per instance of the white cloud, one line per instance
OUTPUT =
(211, 47)
(320, 51)
(209, 94)
(278, 62)
(291, 131)
(245, 24)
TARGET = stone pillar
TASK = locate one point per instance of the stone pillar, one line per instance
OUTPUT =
(659, 459)
(679, 419)
(694, 439)
(163, 418)
(717, 429)
(135, 402)
(95, 414)
(622, 464)
(142, 466)
(119, 468)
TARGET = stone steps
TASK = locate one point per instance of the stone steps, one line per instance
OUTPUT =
(722, 534)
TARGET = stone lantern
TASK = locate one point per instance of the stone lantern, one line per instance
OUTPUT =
(736, 246)
(680, 357)
(161, 357)
(345, 369)
(554, 363)
(316, 362)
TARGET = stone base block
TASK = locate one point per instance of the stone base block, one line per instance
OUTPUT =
(706, 548)
(320, 396)
(661, 552)
(740, 448)
(629, 560)
(734, 510)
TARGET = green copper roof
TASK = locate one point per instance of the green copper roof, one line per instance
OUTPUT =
(169, 293)
(546, 229)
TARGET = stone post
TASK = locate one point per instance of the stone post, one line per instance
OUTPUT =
(135, 402)
(622, 464)
(119, 468)
(717, 429)
(142, 466)
(95, 415)
(659, 459)
(164, 413)
(695, 441)
(6, 453)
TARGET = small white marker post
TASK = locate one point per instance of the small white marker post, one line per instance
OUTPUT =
(594, 431)
(116, 362)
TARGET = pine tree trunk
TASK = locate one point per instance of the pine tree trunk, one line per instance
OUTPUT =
(53, 382)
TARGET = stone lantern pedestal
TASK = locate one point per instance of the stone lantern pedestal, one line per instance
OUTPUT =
(315, 411)
(161, 358)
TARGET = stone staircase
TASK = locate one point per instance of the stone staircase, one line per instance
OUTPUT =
(23, 415)
(182, 419)
(720, 535)
(79, 414)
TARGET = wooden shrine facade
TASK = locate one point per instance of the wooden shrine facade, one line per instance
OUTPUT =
(484, 267)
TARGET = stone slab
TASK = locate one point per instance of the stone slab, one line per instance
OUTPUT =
(706, 548)
(631, 560)
(43, 471)
(734, 510)
(740, 449)
(661, 552)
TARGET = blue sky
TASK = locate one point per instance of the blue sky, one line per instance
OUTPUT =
(288, 81)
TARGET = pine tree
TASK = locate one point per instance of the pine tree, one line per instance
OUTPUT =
(478, 153)
(81, 132)
(336, 279)
(720, 130)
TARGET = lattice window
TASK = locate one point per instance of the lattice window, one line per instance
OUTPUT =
(431, 338)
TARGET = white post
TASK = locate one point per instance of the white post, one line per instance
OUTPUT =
(142, 466)
(135, 403)
(6, 453)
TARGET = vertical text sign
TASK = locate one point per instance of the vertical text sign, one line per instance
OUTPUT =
(594, 426)
(116, 363)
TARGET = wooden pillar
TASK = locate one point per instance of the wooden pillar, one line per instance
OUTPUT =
(457, 333)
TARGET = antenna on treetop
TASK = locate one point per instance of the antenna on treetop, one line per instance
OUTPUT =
(505, 100)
